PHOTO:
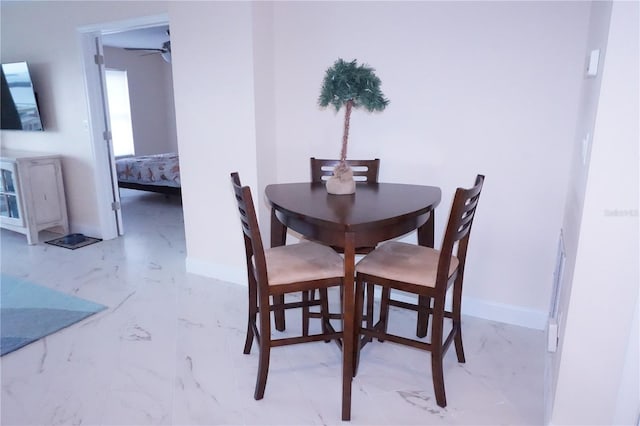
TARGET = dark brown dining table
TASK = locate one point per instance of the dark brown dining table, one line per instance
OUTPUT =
(375, 213)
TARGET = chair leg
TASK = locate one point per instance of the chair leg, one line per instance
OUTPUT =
(457, 320)
(370, 293)
(341, 300)
(384, 310)
(279, 315)
(324, 309)
(457, 340)
(438, 379)
(248, 342)
(252, 313)
(359, 294)
(305, 313)
(424, 304)
(265, 352)
(437, 352)
(312, 295)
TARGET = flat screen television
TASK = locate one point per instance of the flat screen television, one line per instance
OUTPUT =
(19, 103)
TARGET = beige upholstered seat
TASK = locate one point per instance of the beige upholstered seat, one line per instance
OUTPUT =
(305, 261)
(427, 273)
(277, 271)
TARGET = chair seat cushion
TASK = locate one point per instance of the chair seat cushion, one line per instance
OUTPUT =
(305, 261)
(404, 262)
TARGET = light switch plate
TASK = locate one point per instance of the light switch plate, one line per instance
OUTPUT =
(592, 67)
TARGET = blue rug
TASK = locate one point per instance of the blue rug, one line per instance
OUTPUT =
(29, 312)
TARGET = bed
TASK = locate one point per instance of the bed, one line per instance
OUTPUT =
(155, 173)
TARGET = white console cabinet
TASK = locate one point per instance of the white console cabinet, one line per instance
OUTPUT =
(32, 194)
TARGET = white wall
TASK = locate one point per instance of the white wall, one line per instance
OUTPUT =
(627, 405)
(45, 35)
(151, 97)
(265, 97)
(574, 203)
(215, 117)
(475, 87)
(598, 367)
(598, 33)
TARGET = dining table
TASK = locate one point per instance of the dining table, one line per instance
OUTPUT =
(376, 212)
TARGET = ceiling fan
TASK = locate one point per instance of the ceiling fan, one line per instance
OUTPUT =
(164, 51)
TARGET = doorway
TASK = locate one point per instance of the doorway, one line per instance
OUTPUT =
(120, 45)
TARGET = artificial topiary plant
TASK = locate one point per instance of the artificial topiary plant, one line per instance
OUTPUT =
(354, 86)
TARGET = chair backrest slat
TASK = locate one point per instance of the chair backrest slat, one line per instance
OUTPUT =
(363, 170)
(467, 213)
(458, 228)
(242, 205)
(249, 220)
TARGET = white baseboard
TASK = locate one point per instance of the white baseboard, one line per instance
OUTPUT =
(89, 231)
(509, 314)
(499, 312)
(217, 271)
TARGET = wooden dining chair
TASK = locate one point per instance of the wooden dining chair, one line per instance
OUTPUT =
(277, 271)
(363, 171)
(426, 272)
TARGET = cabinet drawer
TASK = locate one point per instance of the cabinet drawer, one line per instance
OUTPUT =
(45, 195)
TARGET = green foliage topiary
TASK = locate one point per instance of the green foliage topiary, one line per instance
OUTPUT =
(352, 86)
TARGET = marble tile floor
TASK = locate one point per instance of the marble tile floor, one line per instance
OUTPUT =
(168, 350)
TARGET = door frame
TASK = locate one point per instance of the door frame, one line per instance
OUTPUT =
(106, 189)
